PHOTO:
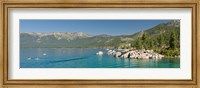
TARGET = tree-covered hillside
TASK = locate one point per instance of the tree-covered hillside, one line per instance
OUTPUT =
(163, 38)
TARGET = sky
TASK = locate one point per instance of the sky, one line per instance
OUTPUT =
(93, 27)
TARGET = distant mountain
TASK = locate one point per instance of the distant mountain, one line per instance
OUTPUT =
(79, 39)
(57, 35)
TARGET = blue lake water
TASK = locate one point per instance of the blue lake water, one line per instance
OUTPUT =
(85, 58)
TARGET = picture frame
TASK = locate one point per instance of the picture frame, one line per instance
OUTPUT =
(193, 83)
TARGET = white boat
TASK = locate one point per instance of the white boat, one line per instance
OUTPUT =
(29, 58)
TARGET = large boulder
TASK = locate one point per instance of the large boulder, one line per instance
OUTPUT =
(100, 53)
(126, 55)
(160, 56)
(157, 56)
(118, 54)
(133, 55)
(111, 52)
(154, 56)
(144, 56)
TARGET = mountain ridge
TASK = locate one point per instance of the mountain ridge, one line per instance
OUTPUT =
(80, 39)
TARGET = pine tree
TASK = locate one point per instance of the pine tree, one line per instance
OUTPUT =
(173, 41)
(151, 45)
(144, 40)
(144, 37)
(138, 44)
(161, 40)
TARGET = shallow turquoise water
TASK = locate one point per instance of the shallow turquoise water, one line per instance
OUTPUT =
(85, 58)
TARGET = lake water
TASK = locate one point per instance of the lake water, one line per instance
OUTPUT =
(85, 58)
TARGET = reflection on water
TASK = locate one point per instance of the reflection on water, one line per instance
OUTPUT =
(85, 58)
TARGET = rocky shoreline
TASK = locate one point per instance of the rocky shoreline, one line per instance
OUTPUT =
(132, 53)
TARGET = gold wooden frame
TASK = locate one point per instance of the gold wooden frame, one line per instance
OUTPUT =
(194, 4)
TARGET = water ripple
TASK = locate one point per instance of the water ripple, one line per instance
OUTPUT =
(72, 59)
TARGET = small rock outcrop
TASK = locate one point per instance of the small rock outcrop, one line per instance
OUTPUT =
(135, 54)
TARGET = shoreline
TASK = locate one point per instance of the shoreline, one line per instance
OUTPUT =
(134, 54)
(123, 51)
